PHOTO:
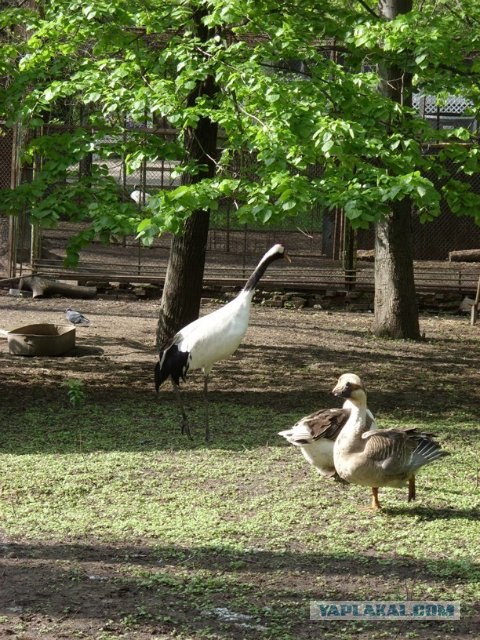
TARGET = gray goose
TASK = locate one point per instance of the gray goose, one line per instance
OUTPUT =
(384, 458)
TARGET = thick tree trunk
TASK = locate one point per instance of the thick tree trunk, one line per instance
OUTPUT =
(183, 282)
(396, 312)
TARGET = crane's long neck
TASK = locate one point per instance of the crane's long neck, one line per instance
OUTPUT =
(258, 273)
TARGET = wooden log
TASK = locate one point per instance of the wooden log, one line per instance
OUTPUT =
(465, 255)
(476, 303)
(366, 254)
(41, 286)
(8, 283)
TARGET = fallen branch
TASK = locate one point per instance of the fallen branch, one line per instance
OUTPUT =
(41, 287)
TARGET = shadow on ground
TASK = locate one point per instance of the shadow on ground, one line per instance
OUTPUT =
(157, 589)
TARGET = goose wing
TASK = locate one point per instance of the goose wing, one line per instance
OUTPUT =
(320, 426)
(326, 423)
(400, 451)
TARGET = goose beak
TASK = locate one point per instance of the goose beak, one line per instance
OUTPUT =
(339, 391)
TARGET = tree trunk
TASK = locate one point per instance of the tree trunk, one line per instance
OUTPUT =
(183, 281)
(396, 311)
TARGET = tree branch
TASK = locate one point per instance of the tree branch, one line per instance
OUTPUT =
(368, 9)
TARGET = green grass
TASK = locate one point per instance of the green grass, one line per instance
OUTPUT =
(240, 523)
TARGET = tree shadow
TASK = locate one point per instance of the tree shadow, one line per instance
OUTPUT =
(180, 590)
(140, 420)
(439, 513)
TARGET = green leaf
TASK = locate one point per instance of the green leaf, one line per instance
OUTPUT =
(144, 224)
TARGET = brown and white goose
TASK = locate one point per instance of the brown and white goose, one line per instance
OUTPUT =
(383, 458)
(315, 436)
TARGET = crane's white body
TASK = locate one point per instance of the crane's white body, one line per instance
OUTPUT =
(211, 338)
(138, 197)
(216, 336)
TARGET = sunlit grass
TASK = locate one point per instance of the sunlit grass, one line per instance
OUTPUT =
(241, 522)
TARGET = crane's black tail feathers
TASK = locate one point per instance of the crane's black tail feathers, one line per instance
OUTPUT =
(172, 363)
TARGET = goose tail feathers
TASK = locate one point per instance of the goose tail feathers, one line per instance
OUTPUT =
(298, 435)
(427, 451)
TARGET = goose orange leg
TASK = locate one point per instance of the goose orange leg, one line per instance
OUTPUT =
(411, 489)
(375, 502)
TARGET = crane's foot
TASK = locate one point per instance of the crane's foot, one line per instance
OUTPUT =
(186, 429)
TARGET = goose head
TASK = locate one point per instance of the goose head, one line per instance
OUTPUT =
(350, 386)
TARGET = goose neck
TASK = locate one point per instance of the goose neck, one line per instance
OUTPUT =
(357, 422)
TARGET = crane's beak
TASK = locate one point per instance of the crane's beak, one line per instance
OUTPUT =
(286, 256)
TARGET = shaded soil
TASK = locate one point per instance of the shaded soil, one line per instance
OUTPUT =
(296, 352)
(80, 589)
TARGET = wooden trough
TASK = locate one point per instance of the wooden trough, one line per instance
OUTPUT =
(40, 340)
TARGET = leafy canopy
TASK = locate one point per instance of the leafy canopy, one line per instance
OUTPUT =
(301, 119)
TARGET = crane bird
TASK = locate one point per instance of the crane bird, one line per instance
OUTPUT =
(211, 338)
(138, 196)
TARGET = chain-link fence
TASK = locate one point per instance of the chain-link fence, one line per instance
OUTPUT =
(448, 232)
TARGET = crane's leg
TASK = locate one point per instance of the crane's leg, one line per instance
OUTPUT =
(205, 400)
(411, 489)
(375, 502)
(178, 396)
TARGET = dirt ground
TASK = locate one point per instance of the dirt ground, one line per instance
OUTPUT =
(300, 351)
(309, 347)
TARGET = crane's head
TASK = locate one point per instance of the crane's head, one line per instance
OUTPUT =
(277, 251)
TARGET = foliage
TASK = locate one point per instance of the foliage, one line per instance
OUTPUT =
(75, 392)
(87, 73)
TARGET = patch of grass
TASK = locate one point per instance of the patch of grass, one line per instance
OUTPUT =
(240, 523)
